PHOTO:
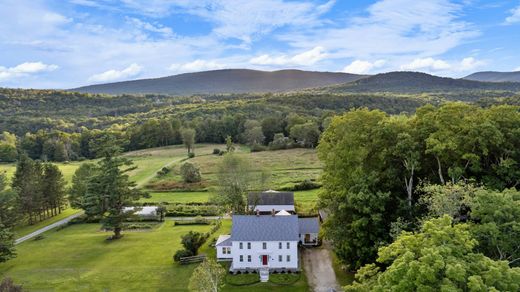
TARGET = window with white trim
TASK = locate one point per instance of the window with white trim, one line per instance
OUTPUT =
(241, 258)
(280, 258)
(279, 245)
(288, 258)
(249, 258)
(288, 245)
(249, 245)
(264, 245)
(241, 245)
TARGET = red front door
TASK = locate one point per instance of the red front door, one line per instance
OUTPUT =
(264, 260)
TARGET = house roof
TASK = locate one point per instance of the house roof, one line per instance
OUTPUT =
(265, 228)
(283, 213)
(224, 240)
(270, 198)
(269, 208)
(309, 225)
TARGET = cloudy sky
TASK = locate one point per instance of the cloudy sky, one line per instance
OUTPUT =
(68, 43)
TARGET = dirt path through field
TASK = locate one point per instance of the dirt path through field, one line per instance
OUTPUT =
(319, 271)
(150, 177)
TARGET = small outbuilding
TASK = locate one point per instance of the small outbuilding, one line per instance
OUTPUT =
(309, 229)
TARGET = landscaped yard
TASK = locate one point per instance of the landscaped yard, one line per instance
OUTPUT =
(78, 258)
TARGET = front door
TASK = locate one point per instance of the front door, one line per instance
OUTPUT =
(264, 260)
(307, 238)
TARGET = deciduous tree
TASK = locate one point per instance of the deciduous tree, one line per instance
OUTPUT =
(207, 277)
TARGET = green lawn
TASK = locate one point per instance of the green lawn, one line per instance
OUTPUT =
(286, 167)
(177, 197)
(305, 200)
(67, 169)
(78, 258)
(26, 229)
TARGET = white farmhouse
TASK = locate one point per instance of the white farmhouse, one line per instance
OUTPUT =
(269, 201)
(261, 242)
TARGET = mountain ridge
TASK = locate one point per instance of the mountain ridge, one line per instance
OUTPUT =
(494, 76)
(224, 81)
(417, 82)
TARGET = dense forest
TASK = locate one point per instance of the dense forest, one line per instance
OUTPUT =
(425, 200)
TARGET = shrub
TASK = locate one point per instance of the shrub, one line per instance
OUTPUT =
(190, 173)
(181, 253)
(258, 148)
(164, 171)
(38, 237)
(191, 155)
(216, 151)
(7, 285)
(306, 185)
(193, 240)
(191, 210)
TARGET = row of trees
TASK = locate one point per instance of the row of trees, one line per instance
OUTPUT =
(40, 189)
(385, 174)
(37, 192)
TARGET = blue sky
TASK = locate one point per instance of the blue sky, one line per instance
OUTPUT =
(69, 43)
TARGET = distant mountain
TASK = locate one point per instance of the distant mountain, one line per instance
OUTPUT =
(416, 82)
(225, 81)
(492, 76)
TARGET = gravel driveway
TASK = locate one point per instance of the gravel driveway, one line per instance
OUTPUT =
(318, 269)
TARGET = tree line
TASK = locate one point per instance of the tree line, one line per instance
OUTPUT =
(37, 192)
(272, 132)
(389, 181)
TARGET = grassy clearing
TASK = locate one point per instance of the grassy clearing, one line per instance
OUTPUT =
(26, 229)
(286, 167)
(67, 169)
(177, 197)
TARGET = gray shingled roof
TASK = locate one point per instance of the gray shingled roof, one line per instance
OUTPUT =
(309, 225)
(270, 198)
(265, 228)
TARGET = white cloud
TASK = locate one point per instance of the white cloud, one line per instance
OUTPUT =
(243, 20)
(112, 75)
(158, 28)
(306, 58)
(517, 69)
(428, 64)
(197, 65)
(363, 67)
(391, 27)
(436, 65)
(514, 17)
(25, 69)
(470, 63)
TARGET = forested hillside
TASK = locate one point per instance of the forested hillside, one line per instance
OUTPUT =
(225, 81)
(493, 76)
(416, 82)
